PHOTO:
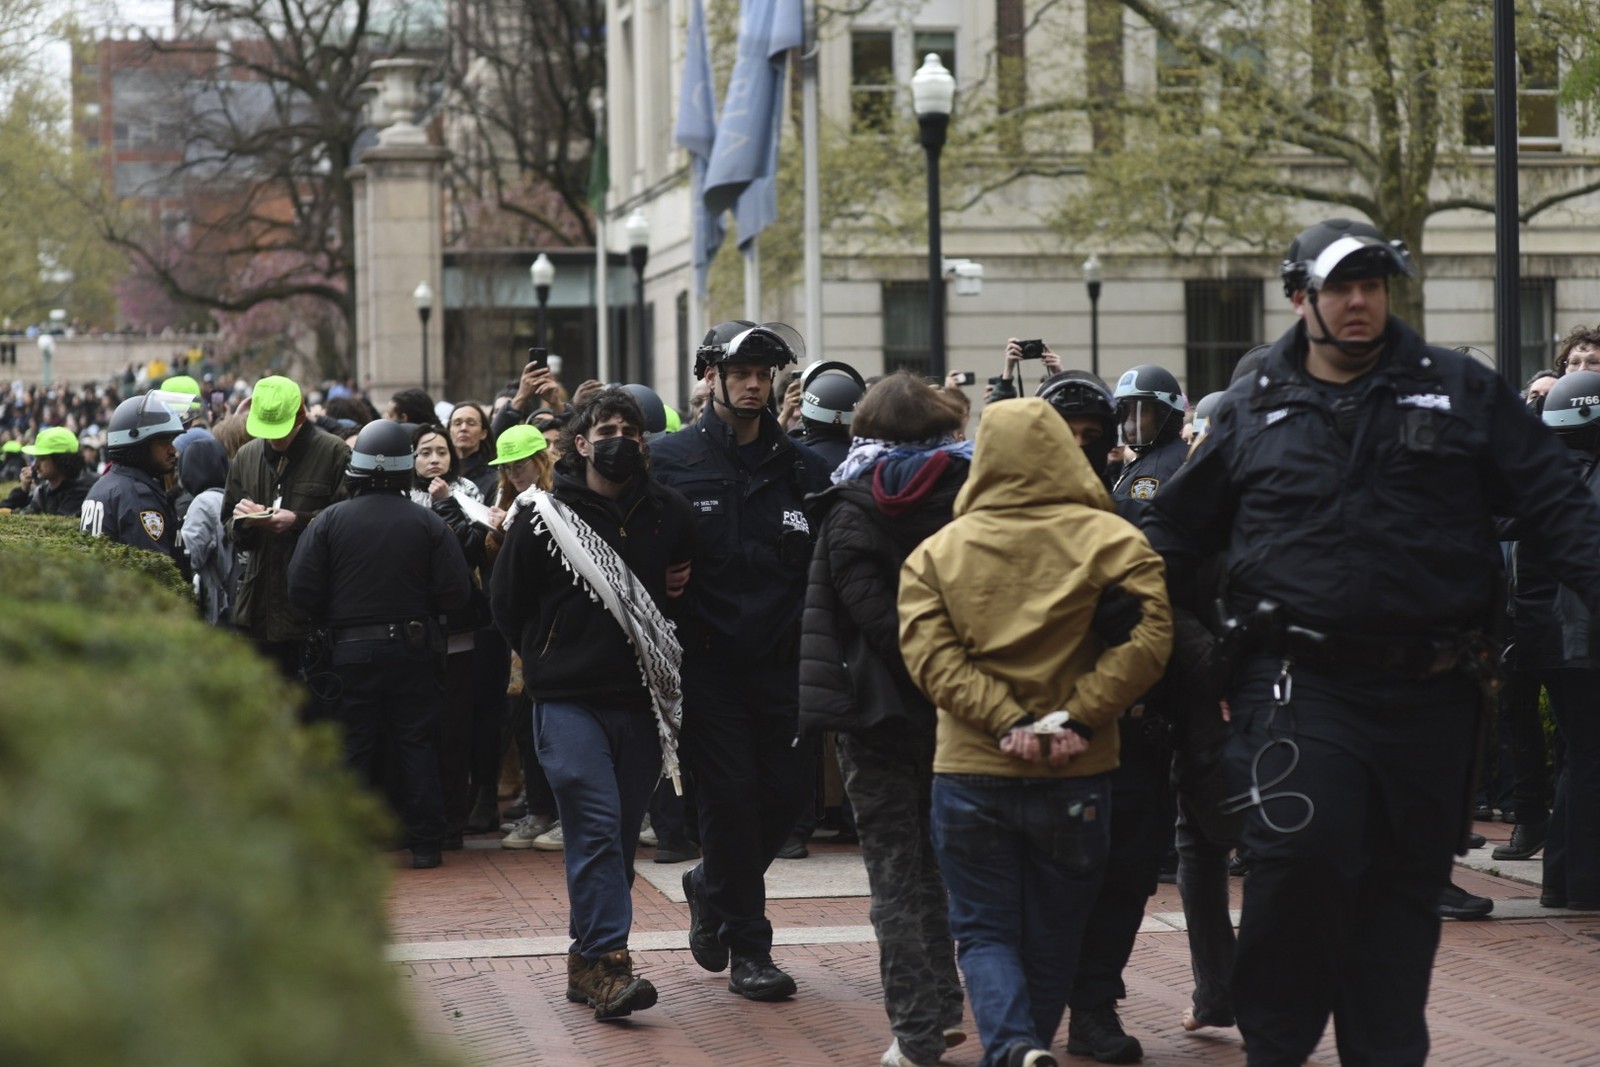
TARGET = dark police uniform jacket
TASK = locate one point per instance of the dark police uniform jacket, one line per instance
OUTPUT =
(1386, 533)
(1141, 479)
(753, 542)
(377, 558)
(130, 507)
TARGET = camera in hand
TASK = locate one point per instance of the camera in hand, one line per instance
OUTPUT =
(1032, 349)
(965, 377)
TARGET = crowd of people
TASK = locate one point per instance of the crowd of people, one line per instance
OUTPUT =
(1261, 632)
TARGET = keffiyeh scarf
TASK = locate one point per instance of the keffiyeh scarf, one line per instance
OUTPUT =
(608, 580)
(865, 452)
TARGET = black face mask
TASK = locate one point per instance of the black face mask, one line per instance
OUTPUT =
(616, 459)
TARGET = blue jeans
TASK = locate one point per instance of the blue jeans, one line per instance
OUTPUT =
(1023, 859)
(602, 764)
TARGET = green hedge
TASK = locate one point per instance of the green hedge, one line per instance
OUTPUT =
(187, 877)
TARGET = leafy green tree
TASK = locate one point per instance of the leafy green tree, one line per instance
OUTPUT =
(51, 253)
(1258, 108)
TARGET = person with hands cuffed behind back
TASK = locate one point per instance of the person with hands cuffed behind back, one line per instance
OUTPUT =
(1001, 654)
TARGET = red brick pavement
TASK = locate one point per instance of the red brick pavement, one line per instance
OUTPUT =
(1510, 992)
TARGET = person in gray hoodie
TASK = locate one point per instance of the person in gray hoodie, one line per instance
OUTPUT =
(203, 472)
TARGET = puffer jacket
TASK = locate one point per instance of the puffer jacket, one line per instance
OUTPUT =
(996, 608)
(852, 677)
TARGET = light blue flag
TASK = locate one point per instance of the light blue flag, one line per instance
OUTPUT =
(697, 132)
(746, 148)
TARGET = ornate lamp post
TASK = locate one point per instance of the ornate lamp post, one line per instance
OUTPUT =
(422, 296)
(933, 92)
(1092, 276)
(543, 273)
(637, 228)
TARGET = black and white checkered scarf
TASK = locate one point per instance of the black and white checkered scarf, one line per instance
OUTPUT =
(601, 573)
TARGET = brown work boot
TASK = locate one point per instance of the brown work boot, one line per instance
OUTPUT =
(608, 985)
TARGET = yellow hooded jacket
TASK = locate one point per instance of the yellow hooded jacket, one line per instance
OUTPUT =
(995, 607)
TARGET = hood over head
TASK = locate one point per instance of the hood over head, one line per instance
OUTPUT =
(1025, 456)
(202, 465)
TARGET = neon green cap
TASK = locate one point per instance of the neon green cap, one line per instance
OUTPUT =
(11, 446)
(181, 383)
(518, 443)
(674, 420)
(53, 441)
(273, 407)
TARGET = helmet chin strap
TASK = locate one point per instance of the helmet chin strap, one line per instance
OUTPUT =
(726, 401)
(1349, 348)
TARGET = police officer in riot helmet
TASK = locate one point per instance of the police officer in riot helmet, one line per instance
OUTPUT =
(829, 391)
(1150, 409)
(746, 481)
(130, 504)
(1571, 870)
(376, 572)
(1086, 403)
(1572, 409)
(1204, 408)
(1350, 487)
(652, 407)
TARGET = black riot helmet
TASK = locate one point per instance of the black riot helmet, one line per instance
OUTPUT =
(772, 344)
(1079, 394)
(829, 392)
(1144, 390)
(382, 457)
(1572, 410)
(139, 420)
(651, 406)
(1204, 408)
(1337, 250)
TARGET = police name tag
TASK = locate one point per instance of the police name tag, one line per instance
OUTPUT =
(707, 507)
(1429, 401)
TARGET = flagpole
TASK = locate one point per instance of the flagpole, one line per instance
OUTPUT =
(602, 304)
(602, 312)
(752, 279)
(813, 207)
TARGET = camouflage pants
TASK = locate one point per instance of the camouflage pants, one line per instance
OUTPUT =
(890, 792)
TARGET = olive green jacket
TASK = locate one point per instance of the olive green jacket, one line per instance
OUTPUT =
(995, 608)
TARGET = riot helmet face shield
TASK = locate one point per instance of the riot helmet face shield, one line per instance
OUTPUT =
(1150, 406)
(1141, 421)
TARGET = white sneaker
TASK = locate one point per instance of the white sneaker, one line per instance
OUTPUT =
(526, 830)
(893, 1057)
(647, 834)
(551, 840)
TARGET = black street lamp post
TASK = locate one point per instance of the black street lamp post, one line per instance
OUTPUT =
(422, 296)
(1092, 277)
(637, 228)
(543, 273)
(933, 91)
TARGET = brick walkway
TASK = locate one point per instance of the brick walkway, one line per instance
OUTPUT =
(1517, 990)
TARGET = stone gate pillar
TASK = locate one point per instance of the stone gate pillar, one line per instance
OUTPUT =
(398, 237)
